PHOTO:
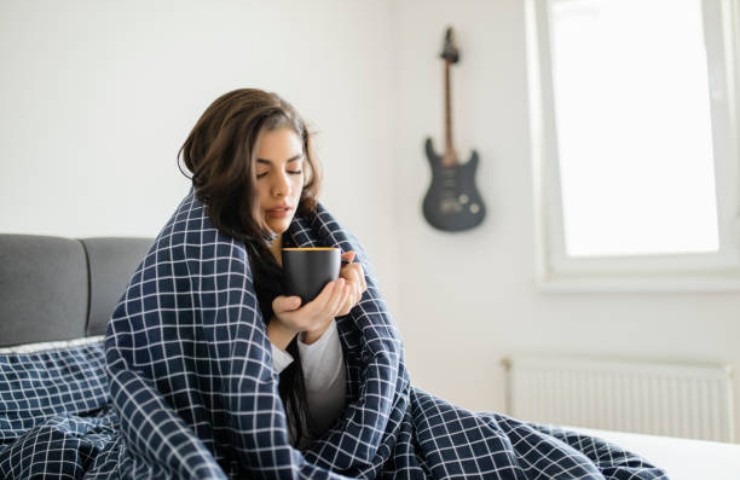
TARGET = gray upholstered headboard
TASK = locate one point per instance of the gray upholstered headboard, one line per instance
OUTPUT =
(55, 288)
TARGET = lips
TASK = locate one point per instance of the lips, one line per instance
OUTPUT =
(279, 212)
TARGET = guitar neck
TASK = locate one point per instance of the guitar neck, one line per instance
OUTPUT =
(450, 157)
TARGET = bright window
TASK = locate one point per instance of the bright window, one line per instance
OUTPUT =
(633, 109)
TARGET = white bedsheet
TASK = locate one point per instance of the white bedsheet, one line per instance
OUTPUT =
(681, 458)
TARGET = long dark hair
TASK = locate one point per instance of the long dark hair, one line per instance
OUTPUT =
(220, 154)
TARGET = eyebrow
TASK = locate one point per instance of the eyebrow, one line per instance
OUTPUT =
(294, 158)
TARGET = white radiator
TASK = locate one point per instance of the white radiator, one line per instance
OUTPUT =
(681, 400)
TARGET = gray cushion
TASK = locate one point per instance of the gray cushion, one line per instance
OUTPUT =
(112, 262)
(43, 289)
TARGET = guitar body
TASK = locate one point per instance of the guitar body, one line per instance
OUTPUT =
(452, 203)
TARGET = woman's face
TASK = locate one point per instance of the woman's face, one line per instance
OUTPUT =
(279, 176)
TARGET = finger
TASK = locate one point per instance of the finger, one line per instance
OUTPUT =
(348, 300)
(334, 306)
(354, 274)
(349, 273)
(348, 257)
(323, 298)
(361, 272)
(283, 304)
(359, 276)
(358, 291)
(347, 265)
(328, 300)
(344, 310)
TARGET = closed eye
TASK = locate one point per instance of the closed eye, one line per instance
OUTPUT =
(291, 172)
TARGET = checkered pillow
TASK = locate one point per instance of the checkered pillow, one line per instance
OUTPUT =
(42, 380)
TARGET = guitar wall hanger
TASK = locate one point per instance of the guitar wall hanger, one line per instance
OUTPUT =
(452, 203)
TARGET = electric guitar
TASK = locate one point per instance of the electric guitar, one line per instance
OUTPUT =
(452, 203)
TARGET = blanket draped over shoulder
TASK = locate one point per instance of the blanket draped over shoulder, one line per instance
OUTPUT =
(193, 383)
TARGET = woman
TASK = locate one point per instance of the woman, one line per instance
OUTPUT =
(216, 374)
(275, 176)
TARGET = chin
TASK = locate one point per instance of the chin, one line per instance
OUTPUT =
(278, 227)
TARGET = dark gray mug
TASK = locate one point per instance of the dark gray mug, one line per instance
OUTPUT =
(308, 270)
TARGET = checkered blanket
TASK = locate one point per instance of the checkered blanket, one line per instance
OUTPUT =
(192, 381)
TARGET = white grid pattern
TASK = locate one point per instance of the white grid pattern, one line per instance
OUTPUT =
(192, 380)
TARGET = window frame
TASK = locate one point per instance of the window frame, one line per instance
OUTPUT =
(715, 271)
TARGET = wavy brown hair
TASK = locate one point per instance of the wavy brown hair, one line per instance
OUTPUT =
(220, 154)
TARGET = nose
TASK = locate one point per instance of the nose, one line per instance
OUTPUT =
(280, 185)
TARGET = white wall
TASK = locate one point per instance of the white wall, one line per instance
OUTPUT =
(468, 299)
(97, 97)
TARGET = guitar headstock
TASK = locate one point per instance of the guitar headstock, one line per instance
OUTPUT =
(450, 53)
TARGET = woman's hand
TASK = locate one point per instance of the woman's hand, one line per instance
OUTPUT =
(355, 277)
(312, 319)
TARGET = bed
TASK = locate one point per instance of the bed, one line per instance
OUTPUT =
(56, 296)
(681, 458)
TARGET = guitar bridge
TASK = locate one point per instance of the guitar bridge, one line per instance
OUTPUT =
(450, 206)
